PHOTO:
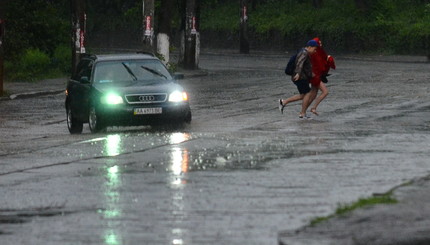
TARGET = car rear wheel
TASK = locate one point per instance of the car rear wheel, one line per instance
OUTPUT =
(94, 121)
(74, 126)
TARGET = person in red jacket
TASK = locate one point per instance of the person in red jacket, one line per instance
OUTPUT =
(321, 64)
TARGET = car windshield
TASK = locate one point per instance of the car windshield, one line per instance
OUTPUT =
(131, 70)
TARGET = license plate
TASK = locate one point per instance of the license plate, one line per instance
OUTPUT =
(148, 111)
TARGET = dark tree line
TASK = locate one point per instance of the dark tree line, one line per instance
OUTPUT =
(46, 24)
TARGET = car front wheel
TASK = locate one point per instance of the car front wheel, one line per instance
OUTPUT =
(188, 117)
(74, 126)
(95, 122)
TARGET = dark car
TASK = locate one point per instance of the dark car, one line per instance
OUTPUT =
(124, 90)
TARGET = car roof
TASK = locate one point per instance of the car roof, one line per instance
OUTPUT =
(130, 56)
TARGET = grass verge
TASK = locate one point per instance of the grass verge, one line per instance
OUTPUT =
(361, 203)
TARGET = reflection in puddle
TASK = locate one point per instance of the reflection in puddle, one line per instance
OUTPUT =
(91, 140)
(113, 145)
(112, 211)
(177, 242)
(179, 161)
(179, 166)
(111, 238)
(179, 157)
(177, 138)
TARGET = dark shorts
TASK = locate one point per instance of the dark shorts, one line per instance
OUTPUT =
(324, 78)
(303, 86)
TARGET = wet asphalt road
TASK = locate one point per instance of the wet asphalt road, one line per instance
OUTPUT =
(239, 174)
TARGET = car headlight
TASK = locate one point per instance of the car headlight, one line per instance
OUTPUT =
(178, 96)
(112, 99)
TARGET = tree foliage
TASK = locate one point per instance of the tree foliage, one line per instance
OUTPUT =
(38, 24)
(353, 25)
(394, 26)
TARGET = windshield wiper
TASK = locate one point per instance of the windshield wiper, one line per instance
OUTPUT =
(129, 71)
(154, 72)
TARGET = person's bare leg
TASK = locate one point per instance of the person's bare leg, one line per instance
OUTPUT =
(307, 100)
(305, 104)
(296, 97)
(313, 96)
(289, 100)
(321, 97)
(293, 98)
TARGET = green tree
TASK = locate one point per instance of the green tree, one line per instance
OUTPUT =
(39, 24)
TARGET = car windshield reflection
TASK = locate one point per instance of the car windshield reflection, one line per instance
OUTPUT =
(129, 72)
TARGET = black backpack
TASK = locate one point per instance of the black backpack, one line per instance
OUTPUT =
(291, 66)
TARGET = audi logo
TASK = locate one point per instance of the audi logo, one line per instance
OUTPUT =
(144, 98)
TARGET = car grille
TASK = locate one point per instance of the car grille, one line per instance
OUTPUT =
(145, 98)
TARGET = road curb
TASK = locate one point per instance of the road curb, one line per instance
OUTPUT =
(194, 73)
(372, 218)
(31, 94)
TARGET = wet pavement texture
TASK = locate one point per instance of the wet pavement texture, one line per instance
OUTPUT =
(238, 174)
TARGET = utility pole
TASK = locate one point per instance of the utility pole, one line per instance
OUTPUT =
(191, 38)
(362, 5)
(163, 36)
(78, 31)
(148, 25)
(2, 32)
(244, 40)
(317, 3)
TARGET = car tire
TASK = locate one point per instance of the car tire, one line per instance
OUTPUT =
(94, 121)
(188, 117)
(74, 125)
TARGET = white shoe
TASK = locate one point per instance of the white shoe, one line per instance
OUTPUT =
(281, 106)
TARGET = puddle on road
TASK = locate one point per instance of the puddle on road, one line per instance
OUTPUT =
(184, 152)
(11, 219)
(178, 153)
(175, 152)
(16, 217)
(117, 143)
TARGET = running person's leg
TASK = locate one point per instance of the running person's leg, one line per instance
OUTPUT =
(315, 82)
(283, 103)
(302, 87)
(304, 90)
(307, 100)
(296, 97)
(321, 97)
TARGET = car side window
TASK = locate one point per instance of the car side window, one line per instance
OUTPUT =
(84, 69)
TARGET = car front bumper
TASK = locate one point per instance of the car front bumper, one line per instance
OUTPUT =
(123, 115)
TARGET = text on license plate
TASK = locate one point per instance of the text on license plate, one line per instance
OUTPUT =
(147, 111)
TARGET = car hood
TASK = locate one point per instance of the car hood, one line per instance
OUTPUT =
(138, 88)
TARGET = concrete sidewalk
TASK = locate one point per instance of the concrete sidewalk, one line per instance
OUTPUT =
(18, 90)
(404, 223)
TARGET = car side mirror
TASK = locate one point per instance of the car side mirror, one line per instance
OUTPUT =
(85, 80)
(178, 76)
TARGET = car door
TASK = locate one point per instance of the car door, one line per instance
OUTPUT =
(79, 89)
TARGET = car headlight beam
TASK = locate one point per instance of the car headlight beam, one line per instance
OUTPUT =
(112, 99)
(178, 96)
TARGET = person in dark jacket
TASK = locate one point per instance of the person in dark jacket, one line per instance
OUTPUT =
(301, 78)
